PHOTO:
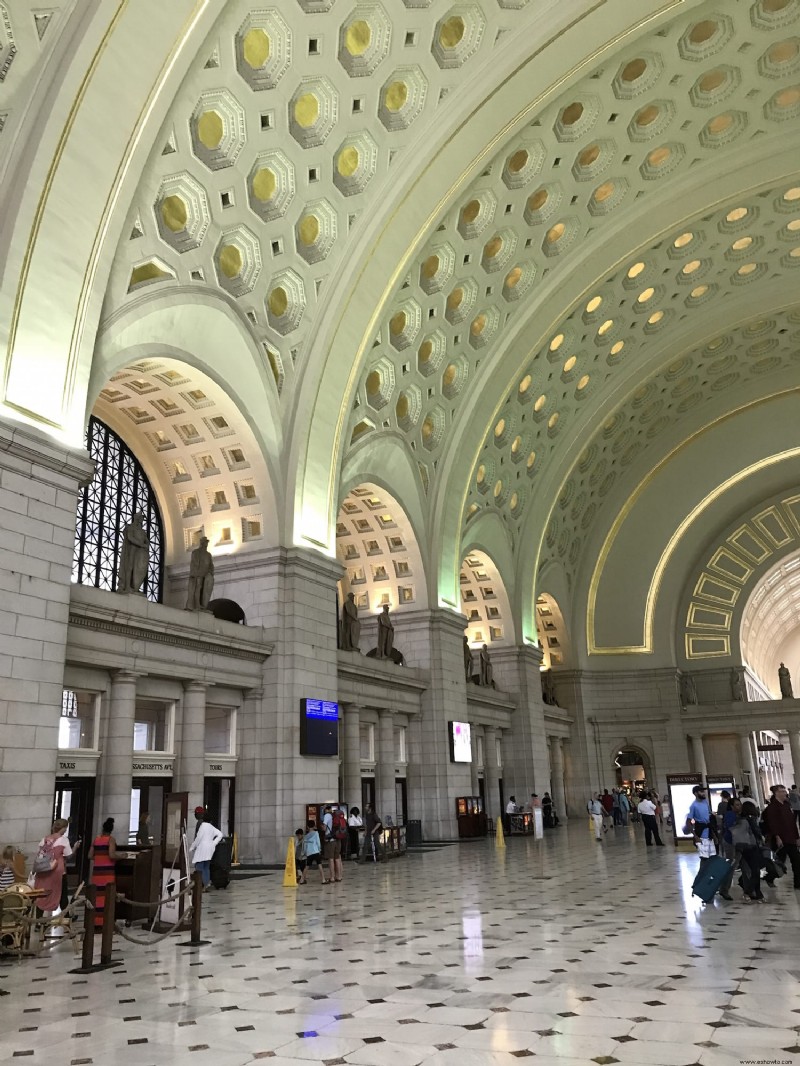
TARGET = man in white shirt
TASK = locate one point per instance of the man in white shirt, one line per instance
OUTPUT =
(511, 808)
(647, 811)
(595, 809)
(202, 847)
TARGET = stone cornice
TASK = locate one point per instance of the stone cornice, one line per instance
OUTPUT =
(362, 670)
(264, 561)
(33, 446)
(137, 619)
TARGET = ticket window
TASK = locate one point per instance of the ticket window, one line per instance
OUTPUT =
(79, 722)
(153, 726)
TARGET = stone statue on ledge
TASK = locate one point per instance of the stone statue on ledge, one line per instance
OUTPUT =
(785, 681)
(487, 671)
(201, 577)
(385, 634)
(468, 660)
(351, 627)
(548, 689)
(688, 690)
(134, 557)
(737, 686)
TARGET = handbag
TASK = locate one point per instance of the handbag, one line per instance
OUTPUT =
(742, 835)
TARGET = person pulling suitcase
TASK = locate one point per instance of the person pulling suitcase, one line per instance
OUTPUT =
(715, 873)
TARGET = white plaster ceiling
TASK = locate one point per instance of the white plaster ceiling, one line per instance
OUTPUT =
(691, 92)
(200, 454)
(770, 624)
(376, 545)
(484, 601)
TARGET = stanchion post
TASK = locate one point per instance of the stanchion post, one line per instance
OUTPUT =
(197, 906)
(89, 912)
(107, 939)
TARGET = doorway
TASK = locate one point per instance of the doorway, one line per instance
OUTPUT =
(367, 793)
(147, 797)
(632, 768)
(74, 800)
(219, 802)
(401, 800)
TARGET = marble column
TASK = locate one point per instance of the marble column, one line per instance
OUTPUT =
(385, 796)
(191, 755)
(699, 757)
(116, 775)
(750, 764)
(491, 772)
(794, 748)
(557, 774)
(351, 756)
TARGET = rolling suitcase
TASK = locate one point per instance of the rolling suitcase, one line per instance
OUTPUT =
(710, 877)
(221, 864)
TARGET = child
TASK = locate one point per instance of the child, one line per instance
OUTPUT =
(313, 851)
(9, 864)
(300, 857)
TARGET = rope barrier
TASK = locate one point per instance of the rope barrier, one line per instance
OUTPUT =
(158, 936)
(159, 903)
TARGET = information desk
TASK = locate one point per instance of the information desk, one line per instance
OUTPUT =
(521, 823)
(138, 876)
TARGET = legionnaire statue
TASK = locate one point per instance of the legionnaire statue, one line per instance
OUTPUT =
(385, 634)
(134, 556)
(201, 577)
(785, 681)
(351, 627)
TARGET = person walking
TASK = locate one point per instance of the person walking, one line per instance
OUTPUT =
(355, 824)
(745, 838)
(780, 824)
(202, 847)
(648, 814)
(595, 809)
(372, 826)
(616, 812)
(794, 802)
(49, 867)
(624, 808)
(607, 803)
(703, 827)
(103, 854)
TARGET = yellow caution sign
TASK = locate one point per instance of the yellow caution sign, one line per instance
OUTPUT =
(290, 870)
(499, 836)
(235, 852)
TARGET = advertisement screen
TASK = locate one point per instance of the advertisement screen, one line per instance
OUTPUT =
(681, 798)
(460, 743)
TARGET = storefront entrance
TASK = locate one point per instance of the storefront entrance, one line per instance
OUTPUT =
(401, 800)
(367, 793)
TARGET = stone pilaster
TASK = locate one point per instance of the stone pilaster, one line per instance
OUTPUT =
(558, 790)
(433, 641)
(794, 747)
(113, 798)
(516, 672)
(699, 757)
(190, 764)
(491, 773)
(292, 593)
(39, 482)
(351, 755)
(750, 763)
(250, 778)
(384, 768)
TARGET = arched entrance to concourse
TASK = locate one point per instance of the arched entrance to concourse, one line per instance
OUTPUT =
(632, 767)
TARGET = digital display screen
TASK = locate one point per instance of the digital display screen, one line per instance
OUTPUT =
(460, 743)
(319, 728)
(681, 798)
(324, 709)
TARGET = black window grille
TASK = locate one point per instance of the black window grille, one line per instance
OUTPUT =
(118, 490)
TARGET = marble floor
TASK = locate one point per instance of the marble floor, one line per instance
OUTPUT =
(561, 951)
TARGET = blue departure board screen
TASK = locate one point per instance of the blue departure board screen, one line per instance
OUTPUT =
(319, 728)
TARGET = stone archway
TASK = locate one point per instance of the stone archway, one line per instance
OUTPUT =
(632, 765)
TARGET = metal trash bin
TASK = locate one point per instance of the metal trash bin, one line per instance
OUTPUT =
(414, 832)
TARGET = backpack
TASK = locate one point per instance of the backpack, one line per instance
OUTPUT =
(45, 861)
(339, 826)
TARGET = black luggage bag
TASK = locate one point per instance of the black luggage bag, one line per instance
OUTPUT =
(221, 863)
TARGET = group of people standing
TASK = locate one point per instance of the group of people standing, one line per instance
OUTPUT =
(336, 838)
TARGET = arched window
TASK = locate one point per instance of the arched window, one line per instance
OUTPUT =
(118, 490)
